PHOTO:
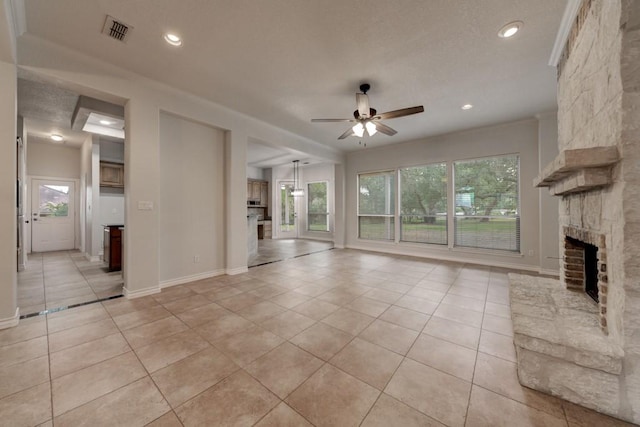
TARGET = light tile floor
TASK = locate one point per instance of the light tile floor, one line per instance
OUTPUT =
(335, 338)
(62, 278)
(270, 250)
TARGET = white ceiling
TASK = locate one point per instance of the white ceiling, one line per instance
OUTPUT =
(287, 61)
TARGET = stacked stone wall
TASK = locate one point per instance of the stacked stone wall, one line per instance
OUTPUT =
(599, 105)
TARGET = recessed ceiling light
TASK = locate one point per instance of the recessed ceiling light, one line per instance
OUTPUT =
(56, 137)
(106, 122)
(173, 39)
(467, 107)
(510, 29)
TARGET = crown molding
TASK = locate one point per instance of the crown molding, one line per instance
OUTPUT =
(568, 18)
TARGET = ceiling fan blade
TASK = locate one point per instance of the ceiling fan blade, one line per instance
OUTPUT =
(363, 105)
(400, 113)
(382, 128)
(332, 120)
(348, 132)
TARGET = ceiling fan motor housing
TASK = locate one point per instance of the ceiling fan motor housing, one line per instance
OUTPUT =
(372, 112)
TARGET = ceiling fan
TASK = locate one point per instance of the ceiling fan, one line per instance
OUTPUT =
(368, 120)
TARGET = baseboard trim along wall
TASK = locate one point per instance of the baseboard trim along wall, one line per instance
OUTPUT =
(238, 270)
(460, 259)
(10, 322)
(140, 293)
(90, 258)
(192, 278)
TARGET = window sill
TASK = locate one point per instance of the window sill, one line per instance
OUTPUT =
(445, 248)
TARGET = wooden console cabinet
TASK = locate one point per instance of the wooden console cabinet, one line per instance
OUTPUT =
(113, 246)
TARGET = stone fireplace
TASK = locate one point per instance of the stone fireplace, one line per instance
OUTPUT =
(578, 337)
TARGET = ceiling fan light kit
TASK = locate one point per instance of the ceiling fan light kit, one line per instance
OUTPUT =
(368, 120)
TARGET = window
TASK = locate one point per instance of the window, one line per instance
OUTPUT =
(317, 208)
(423, 204)
(486, 203)
(376, 205)
(54, 200)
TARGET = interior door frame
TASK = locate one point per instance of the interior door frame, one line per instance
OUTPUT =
(289, 234)
(28, 206)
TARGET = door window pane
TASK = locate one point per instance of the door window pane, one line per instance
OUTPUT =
(54, 200)
(287, 208)
(487, 203)
(423, 204)
(317, 208)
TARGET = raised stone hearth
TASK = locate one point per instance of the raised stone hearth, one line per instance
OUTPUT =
(560, 346)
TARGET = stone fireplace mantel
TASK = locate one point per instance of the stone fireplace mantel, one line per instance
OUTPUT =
(578, 170)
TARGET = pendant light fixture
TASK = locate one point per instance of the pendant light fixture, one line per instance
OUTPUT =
(297, 191)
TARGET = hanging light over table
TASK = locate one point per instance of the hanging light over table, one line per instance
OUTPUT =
(297, 191)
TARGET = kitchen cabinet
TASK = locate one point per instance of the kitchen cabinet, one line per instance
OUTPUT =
(264, 193)
(257, 193)
(111, 175)
(267, 230)
(113, 247)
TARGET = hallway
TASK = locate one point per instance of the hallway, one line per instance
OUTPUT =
(62, 278)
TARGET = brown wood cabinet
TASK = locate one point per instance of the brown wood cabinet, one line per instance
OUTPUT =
(113, 247)
(111, 174)
(267, 234)
(257, 193)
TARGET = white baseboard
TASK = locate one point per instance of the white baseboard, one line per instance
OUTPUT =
(192, 278)
(338, 246)
(10, 322)
(140, 293)
(238, 270)
(445, 257)
(550, 272)
(92, 258)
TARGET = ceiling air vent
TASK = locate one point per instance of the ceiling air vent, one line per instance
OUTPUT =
(116, 29)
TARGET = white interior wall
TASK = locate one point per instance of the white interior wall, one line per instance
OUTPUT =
(53, 161)
(191, 203)
(85, 195)
(549, 205)
(97, 231)
(9, 313)
(111, 208)
(111, 151)
(316, 173)
(513, 138)
(255, 173)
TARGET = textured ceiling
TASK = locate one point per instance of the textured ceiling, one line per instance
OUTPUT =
(287, 61)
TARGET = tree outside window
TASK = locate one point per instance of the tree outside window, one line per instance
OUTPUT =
(376, 205)
(487, 211)
(423, 204)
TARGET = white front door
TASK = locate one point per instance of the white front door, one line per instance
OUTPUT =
(52, 215)
(287, 215)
